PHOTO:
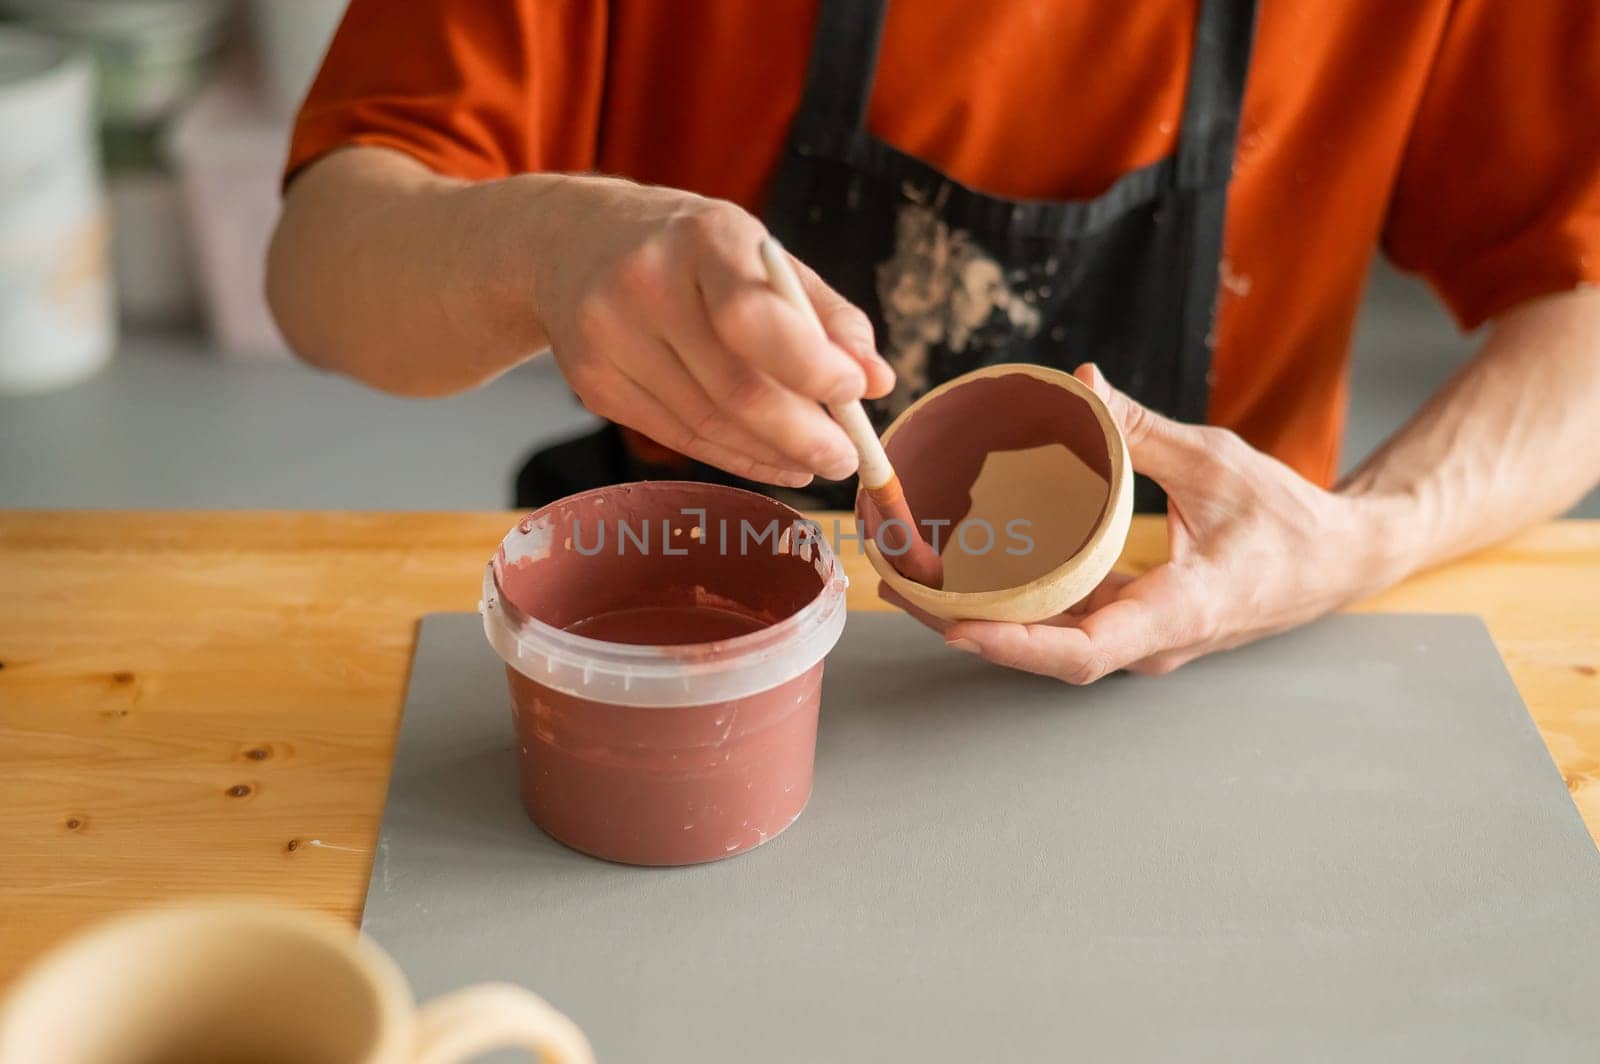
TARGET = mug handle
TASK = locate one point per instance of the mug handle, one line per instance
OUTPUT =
(459, 1026)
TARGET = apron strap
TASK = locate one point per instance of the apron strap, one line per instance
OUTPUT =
(1215, 92)
(843, 67)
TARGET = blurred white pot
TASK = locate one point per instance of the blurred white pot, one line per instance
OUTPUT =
(229, 152)
(56, 319)
(150, 249)
(151, 53)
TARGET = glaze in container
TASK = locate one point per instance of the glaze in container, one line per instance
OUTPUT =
(664, 646)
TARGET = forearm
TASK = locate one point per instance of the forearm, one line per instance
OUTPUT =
(1512, 439)
(411, 282)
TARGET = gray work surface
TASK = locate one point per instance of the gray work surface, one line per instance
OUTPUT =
(1348, 843)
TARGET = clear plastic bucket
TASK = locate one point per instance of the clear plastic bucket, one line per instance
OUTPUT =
(664, 644)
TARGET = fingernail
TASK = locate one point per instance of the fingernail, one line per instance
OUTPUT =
(884, 384)
(962, 644)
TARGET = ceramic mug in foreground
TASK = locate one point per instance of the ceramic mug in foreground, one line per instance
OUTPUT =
(231, 983)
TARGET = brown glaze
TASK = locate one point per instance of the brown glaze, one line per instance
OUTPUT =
(665, 626)
(943, 448)
(659, 785)
(635, 545)
(899, 536)
(655, 786)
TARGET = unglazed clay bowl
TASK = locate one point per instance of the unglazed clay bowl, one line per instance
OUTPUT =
(1023, 472)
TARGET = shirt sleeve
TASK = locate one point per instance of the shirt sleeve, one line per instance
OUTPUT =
(1498, 196)
(479, 89)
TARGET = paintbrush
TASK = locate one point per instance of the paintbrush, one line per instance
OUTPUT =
(897, 536)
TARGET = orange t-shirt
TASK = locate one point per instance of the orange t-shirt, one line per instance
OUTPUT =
(1464, 136)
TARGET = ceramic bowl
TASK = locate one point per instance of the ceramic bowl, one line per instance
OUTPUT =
(1026, 477)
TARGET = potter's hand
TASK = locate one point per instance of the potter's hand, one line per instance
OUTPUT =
(659, 313)
(1255, 549)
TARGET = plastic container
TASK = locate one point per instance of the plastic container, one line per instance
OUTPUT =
(150, 250)
(56, 318)
(151, 54)
(683, 728)
(227, 149)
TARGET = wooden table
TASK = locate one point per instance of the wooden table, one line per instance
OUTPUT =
(206, 703)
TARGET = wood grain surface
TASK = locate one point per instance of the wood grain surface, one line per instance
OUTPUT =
(205, 703)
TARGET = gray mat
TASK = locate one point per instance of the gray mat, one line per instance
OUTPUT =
(1348, 843)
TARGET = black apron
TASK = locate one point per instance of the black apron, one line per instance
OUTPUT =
(955, 280)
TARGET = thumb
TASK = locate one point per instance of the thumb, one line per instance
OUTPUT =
(1164, 450)
(848, 326)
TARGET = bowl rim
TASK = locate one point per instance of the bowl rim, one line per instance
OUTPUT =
(1111, 517)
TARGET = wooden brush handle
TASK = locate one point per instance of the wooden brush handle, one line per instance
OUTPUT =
(876, 471)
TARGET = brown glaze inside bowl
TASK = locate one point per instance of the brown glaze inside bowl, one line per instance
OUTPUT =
(1022, 461)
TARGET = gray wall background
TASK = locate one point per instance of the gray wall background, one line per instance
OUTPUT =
(168, 426)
